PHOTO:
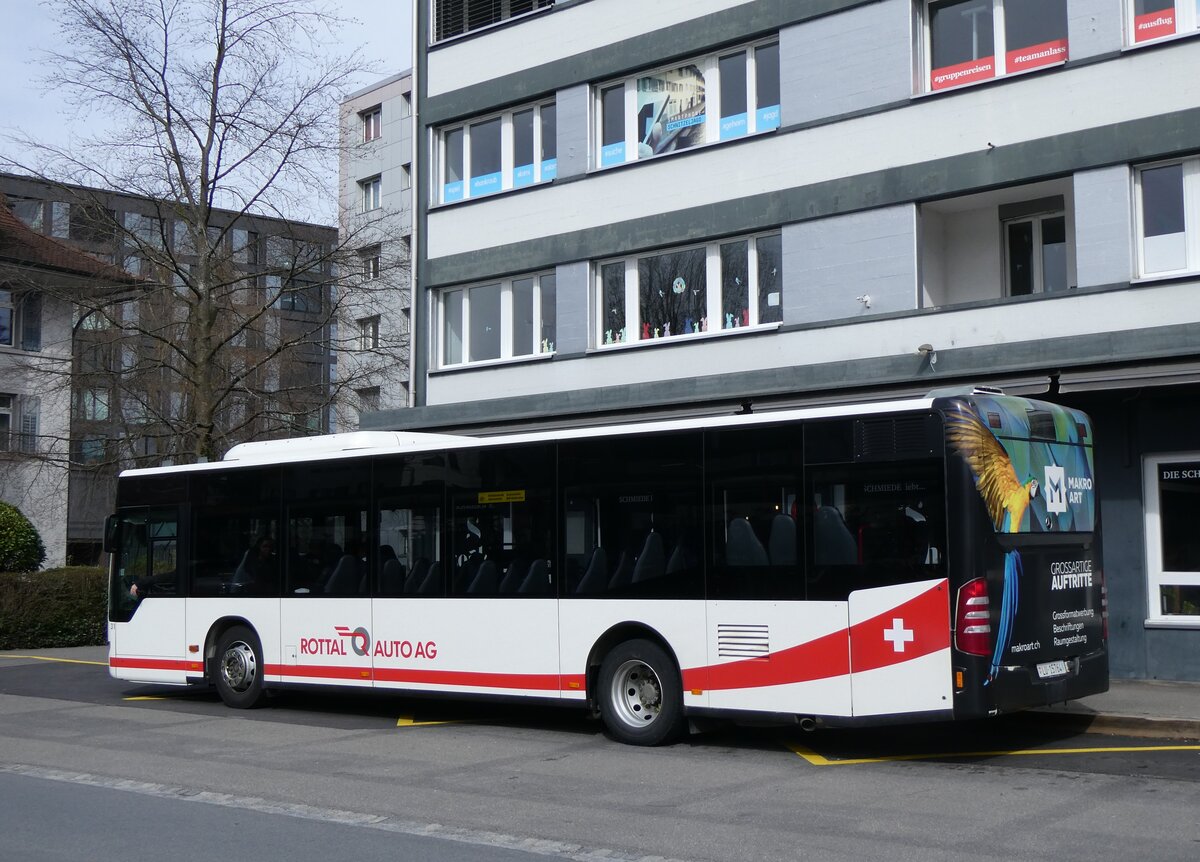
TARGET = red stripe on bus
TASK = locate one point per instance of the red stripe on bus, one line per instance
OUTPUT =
(822, 658)
(155, 663)
(914, 629)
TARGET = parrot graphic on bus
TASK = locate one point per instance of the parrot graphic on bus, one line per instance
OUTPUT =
(1007, 500)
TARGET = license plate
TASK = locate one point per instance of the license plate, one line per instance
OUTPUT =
(1048, 669)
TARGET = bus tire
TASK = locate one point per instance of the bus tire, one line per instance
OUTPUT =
(239, 668)
(640, 694)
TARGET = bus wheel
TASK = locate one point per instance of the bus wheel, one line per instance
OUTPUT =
(641, 702)
(240, 668)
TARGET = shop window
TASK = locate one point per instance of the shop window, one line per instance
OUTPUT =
(498, 153)
(1155, 19)
(708, 99)
(720, 286)
(1035, 252)
(1172, 505)
(975, 40)
(1168, 202)
(502, 320)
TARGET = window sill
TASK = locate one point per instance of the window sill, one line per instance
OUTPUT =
(1188, 623)
(1165, 278)
(1161, 40)
(685, 339)
(493, 363)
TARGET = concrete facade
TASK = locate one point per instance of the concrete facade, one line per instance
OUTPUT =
(884, 180)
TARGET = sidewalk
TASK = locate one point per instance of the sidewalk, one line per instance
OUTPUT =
(1153, 708)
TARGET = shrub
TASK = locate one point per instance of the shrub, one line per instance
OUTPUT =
(21, 548)
(55, 608)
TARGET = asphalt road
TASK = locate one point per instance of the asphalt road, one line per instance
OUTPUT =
(128, 772)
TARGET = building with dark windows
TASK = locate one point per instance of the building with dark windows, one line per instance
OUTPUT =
(100, 389)
(628, 210)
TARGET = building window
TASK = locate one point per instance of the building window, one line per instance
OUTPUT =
(368, 333)
(90, 450)
(498, 153)
(244, 245)
(368, 400)
(1035, 254)
(19, 423)
(372, 123)
(714, 98)
(974, 40)
(93, 404)
(455, 17)
(720, 286)
(503, 320)
(1168, 210)
(370, 263)
(29, 211)
(8, 318)
(6, 422)
(372, 194)
(405, 177)
(1154, 19)
(299, 297)
(1172, 506)
(405, 106)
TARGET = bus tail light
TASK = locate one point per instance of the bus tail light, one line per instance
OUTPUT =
(972, 618)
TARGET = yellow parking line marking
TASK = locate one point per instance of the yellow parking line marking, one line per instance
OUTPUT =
(146, 697)
(409, 721)
(819, 760)
(53, 658)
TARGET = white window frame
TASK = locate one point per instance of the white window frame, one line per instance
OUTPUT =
(8, 410)
(1000, 50)
(709, 65)
(372, 193)
(543, 171)
(1191, 218)
(1156, 576)
(506, 322)
(368, 333)
(371, 263)
(1039, 282)
(1186, 19)
(372, 123)
(714, 291)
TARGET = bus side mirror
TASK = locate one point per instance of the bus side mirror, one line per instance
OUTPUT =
(112, 529)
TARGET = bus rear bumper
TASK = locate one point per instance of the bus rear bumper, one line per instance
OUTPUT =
(1017, 688)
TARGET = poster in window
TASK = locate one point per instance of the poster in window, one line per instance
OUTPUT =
(963, 73)
(1153, 19)
(671, 111)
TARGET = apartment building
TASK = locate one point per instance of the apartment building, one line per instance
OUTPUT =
(375, 219)
(628, 209)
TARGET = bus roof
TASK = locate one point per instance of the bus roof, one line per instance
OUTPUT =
(366, 443)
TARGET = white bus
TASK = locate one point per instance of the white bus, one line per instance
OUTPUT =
(931, 558)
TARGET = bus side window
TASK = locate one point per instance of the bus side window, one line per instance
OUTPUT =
(872, 525)
(235, 535)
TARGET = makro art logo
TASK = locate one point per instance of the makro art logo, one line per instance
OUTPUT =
(359, 640)
(1056, 489)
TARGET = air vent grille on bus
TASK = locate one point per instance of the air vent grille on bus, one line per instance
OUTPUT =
(743, 641)
(886, 438)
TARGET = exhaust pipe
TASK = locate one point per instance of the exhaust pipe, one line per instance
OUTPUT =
(808, 725)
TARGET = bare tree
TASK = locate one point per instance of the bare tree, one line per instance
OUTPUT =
(222, 129)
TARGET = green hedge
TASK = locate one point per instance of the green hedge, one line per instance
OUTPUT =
(55, 608)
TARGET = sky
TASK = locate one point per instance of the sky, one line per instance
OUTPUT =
(382, 28)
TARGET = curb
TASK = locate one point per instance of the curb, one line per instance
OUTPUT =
(1125, 725)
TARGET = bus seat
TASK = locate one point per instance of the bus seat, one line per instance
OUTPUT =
(538, 580)
(624, 573)
(344, 580)
(416, 578)
(465, 575)
(782, 543)
(391, 579)
(652, 561)
(595, 577)
(678, 561)
(432, 585)
(743, 547)
(833, 543)
(487, 579)
(514, 575)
